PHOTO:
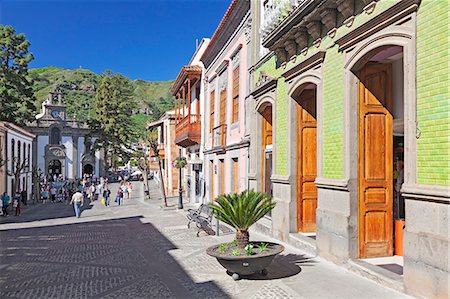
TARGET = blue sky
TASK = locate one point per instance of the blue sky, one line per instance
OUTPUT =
(146, 39)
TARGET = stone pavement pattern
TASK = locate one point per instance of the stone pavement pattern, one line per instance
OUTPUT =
(142, 251)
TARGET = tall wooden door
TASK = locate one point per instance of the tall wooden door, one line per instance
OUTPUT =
(266, 140)
(306, 161)
(375, 167)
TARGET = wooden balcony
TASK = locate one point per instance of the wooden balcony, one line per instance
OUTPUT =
(188, 131)
(161, 150)
(219, 136)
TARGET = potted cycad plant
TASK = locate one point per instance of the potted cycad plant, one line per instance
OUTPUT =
(242, 257)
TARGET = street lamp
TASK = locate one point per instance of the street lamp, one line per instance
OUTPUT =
(180, 190)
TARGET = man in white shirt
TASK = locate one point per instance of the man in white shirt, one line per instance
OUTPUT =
(78, 201)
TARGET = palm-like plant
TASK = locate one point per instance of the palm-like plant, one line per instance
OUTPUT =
(241, 211)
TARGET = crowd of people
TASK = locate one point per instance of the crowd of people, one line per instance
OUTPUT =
(75, 192)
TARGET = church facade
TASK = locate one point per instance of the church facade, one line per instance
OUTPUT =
(63, 147)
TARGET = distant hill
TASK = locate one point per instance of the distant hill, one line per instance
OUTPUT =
(79, 87)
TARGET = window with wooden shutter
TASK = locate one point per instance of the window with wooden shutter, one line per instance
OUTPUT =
(235, 116)
(223, 105)
(211, 111)
(235, 175)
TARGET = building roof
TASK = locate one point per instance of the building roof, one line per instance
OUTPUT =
(17, 129)
(230, 21)
(186, 71)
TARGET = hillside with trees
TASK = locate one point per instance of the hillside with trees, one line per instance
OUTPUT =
(79, 87)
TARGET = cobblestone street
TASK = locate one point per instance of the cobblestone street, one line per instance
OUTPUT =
(142, 251)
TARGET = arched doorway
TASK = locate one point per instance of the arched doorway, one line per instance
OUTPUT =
(380, 149)
(54, 167)
(306, 153)
(88, 169)
(266, 146)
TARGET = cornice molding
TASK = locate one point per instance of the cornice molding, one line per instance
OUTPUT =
(262, 89)
(305, 65)
(377, 23)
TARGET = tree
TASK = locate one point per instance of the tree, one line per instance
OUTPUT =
(112, 120)
(16, 93)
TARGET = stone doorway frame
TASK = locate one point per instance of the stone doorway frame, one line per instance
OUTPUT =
(401, 33)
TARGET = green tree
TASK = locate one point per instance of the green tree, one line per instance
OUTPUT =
(16, 93)
(112, 120)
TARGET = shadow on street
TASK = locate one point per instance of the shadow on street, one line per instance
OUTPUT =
(121, 258)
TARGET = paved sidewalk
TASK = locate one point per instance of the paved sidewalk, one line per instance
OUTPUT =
(142, 251)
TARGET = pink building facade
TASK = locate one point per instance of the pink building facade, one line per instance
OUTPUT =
(226, 140)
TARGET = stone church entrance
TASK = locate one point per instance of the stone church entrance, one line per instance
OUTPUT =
(54, 167)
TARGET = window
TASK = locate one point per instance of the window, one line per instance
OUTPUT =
(24, 151)
(18, 153)
(235, 116)
(29, 155)
(55, 136)
(223, 105)
(13, 147)
(211, 111)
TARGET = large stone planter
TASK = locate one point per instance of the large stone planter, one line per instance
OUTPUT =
(243, 264)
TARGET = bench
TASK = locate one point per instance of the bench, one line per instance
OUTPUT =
(202, 217)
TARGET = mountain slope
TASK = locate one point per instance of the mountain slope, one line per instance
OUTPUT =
(79, 86)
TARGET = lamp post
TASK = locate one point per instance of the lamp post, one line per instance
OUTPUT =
(180, 190)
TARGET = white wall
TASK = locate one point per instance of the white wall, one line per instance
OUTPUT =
(67, 142)
(42, 141)
(80, 153)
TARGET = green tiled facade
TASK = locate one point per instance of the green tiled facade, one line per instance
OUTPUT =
(433, 97)
(333, 114)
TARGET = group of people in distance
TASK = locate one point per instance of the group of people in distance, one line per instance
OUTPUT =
(93, 192)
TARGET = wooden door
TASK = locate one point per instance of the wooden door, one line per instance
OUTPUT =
(266, 140)
(235, 175)
(375, 168)
(306, 161)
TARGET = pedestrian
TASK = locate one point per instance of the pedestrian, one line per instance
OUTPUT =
(45, 195)
(78, 201)
(16, 203)
(53, 194)
(119, 197)
(129, 189)
(97, 191)
(66, 195)
(59, 196)
(6, 200)
(106, 195)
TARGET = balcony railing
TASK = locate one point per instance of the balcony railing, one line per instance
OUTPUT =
(188, 131)
(161, 149)
(220, 136)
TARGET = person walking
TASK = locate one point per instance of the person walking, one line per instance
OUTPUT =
(6, 200)
(129, 189)
(119, 197)
(106, 195)
(45, 195)
(16, 203)
(53, 194)
(78, 201)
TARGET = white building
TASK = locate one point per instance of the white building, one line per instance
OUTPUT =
(63, 146)
(16, 147)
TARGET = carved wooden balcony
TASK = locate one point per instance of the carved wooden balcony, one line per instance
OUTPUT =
(188, 131)
(220, 136)
(161, 150)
